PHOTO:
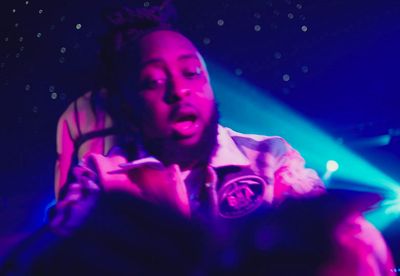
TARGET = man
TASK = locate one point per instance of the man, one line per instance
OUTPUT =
(177, 156)
(182, 157)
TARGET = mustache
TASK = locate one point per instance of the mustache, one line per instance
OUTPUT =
(182, 109)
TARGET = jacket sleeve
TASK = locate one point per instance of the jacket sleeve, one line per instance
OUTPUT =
(79, 199)
(293, 179)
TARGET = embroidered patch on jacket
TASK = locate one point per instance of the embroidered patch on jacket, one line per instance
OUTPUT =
(240, 196)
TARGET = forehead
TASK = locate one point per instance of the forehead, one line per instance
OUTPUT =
(166, 45)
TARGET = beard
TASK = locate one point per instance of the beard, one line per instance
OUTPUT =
(169, 151)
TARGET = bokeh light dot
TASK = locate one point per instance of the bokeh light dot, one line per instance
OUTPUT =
(206, 41)
(290, 15)
(277, 55)
(63, 50)
(238, 72)
(51, 88)
(63, 96)
(304, 28)
(27, 87)
(14, 10)
(274, 26)
(299, 6)
(40, 11)
(257, 15)
(257, 28)
(286, 77)
(78, 26)
(146, 4)
(304, 69)
(54, 95)
(220, 22)
(6, 39)
(21, 39)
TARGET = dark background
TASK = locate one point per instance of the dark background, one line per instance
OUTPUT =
(341, 58)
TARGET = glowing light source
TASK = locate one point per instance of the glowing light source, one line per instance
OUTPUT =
(377, 141)
(78, 26)
(332, 166)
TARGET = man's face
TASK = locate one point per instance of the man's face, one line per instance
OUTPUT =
(175, 97)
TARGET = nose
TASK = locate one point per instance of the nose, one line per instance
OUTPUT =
(177, 90)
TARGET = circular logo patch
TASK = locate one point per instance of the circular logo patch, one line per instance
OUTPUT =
(240, 196)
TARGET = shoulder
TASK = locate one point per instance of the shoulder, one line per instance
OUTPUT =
(71, 114)
(275, 145)
(80, 104)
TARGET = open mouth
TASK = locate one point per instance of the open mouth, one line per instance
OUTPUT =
(185, 123)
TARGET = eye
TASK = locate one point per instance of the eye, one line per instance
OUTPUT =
(151, 84)
(192, 72)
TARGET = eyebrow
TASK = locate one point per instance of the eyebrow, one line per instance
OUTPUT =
(188, 56)
(158, 60)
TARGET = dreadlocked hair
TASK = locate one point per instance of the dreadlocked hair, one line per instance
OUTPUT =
(126, 25)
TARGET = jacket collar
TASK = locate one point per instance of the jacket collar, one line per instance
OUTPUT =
(227, 154)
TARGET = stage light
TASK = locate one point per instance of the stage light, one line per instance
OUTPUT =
(249, 109)
(332, 166)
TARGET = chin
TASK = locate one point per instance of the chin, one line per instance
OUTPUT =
(189, 141)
